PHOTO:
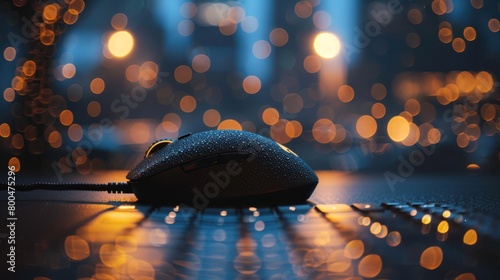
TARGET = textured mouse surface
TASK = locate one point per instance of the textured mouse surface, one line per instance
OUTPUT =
(268, 168)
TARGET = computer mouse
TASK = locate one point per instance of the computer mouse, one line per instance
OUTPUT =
(220, 167)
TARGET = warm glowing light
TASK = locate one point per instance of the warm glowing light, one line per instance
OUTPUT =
(354, 249)
(470, 33)
(9, 53)
(201, 63)
(458, 45)
(47, 37)
(66, 117)
(370, 266)
(431, 258)
(446, 214)
(412, 106)
(327, 45)
(270, 116)
(211, 118)
(139, 133)
(17, 83)
(466, 276)
(398, 128)
(312, 64)
(76, 248)
(188, 104)
(434, 135)
(378, 110)
(484, 81)
(345, 93)
(50, 13)
(303, 9)
(4, 130)
(75, 132)
(171, 122)
(477, 4)
(110, 256)
(251, 84)
(470, 237)
(121, 43)
(473, 166)
(443, 227)
(445, 35)
(438, 7)
(393, 238)
(366, 126)
(29, 68)
(70, 16)
(494, 25)
(97, 86)
(14, 161)
(413, 136)
(278, 37)
(55, 139)
(68, 70)
(293, 129)
(183, 74)
(426, 219)
(323, 131)
(229, 124)
(227, 26)
(119, 21)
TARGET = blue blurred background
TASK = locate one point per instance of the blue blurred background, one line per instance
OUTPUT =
(378, 86)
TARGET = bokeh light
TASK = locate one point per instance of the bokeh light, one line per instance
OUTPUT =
(327, 45)
(398, 128)
(120, 43)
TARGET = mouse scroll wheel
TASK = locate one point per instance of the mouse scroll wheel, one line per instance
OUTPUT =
(156, 146)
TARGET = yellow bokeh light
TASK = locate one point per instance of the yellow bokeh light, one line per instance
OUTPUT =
(293, 129)
(378, 110)
(398, 128)
(121, 43)
(366, 126)
(443, 227)
(5, 130)
(470, 237)
(211, 118)
(188, 104)
(29, 68)
(66, 117)
(183, 74)
(458, 45)
(14, 161)
(370, 266)
(97, 86)
(345, 93)
(327, 45)
(270, 116)
(229, 124)
(50, 13)
(312, 64)
(431, 258)
(324, 131)
(251, 84)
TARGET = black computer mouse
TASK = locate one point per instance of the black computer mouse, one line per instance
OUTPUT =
(221, 167)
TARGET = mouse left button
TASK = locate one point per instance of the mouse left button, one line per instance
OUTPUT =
(156, 146)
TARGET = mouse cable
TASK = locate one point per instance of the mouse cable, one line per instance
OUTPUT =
(111, 187)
